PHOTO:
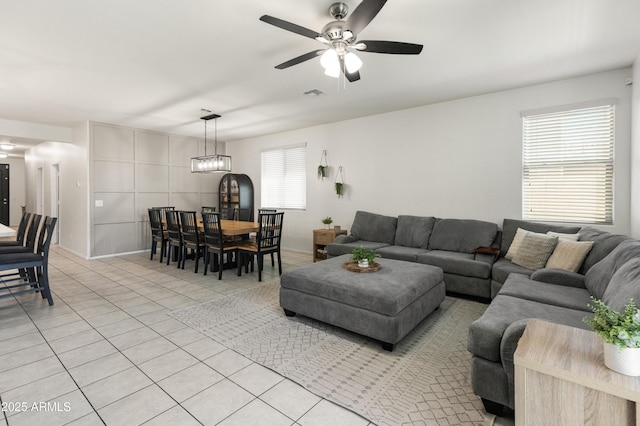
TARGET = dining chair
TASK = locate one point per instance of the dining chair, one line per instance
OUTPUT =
(163, 211)
(215, 243)
(267, 241)
(191, 237)
(158, 233)
(22, 228)
(37, 278)
(261, 211)
(174, 236)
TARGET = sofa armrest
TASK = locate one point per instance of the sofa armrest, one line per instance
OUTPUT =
(559, 277)
(344, 239)
(486, 254)
(508, 346)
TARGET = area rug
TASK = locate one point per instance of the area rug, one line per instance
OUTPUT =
(425, 380)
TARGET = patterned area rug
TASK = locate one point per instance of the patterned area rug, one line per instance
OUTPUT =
(425, 380)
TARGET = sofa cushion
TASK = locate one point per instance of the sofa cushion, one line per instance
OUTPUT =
(456, 263)
(624, 285)
(569, 255)
(599, 275)
(523, 287)
(509, 227)
(414, 231)
(503, 267)
(535, 250)
(560, 235)
(604, 243)
(335, 249)
(400, 252)
(485, 333)
(374, 227)
(462, 235)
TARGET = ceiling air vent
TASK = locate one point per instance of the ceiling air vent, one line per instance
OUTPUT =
(314, 92)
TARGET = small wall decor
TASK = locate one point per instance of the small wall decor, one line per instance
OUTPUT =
(323, 167)
(339, 185)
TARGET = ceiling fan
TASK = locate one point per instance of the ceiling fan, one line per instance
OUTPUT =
(340, 39)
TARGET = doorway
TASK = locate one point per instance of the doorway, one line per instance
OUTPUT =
(39, 192)
(4, 194)
(55, 200)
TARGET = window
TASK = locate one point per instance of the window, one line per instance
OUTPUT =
(284, 178)
(568, 165)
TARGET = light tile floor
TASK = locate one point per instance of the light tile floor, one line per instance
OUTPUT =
(108, 353)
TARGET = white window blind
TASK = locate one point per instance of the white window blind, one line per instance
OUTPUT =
(568, 165)
(284, 178)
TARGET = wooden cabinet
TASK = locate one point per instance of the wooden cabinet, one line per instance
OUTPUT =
(236, 197)
(322, 238)
(560, 378)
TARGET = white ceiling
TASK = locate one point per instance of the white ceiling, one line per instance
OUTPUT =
(154, 64)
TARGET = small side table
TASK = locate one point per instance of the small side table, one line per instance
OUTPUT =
(322, 238)
(560, 378)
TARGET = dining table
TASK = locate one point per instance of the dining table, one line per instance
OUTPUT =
(5, 231)
(231, 228)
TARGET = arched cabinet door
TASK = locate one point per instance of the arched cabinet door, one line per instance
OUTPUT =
(236, 197)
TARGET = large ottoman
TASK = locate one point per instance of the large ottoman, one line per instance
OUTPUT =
(384, 305)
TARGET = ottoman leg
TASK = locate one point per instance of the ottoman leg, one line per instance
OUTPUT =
(387, 346)
(289, 313)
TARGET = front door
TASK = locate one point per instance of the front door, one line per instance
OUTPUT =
(4, 194)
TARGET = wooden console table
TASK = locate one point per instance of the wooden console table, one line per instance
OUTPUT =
(560, 378)
(322, 238)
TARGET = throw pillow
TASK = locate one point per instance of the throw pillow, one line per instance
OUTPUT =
(535, 250)
(570, 237)
(515, 244)
(569, 255)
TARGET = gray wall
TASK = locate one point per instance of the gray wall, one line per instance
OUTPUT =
(132, 170)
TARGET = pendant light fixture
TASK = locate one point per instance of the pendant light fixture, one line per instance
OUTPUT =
(211, 163)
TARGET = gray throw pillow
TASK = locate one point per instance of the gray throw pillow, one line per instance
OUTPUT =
(535, 250)
(374, 227)
(414, 231)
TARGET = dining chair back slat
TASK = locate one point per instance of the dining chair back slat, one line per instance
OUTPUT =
(174, 235)
(215, 243)
(158, 232)
(191, 237)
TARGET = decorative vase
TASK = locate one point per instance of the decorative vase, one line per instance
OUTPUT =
(623, 360)
(327, 225)
(363, 263)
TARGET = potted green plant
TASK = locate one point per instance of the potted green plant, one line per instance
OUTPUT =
(327, 221)
(364, 257)
(322, 171)
(339, 189)
(621, 334)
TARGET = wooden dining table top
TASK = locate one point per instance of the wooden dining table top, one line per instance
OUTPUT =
(233, 227)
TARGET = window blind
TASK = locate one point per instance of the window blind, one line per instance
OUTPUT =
(284, 178)
(568, 165)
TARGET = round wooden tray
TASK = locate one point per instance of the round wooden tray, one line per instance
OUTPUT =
(353, 267)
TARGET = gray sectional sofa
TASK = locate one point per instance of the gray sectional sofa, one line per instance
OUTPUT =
(447, 243)
(608, 270)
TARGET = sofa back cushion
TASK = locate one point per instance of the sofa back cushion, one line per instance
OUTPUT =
(510, 226)
(599, 275)
(462, 235)
(603, 244)
(414, 231)
(624, 285)
(374, 227)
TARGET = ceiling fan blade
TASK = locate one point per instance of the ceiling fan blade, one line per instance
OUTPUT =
(363, 14)
(391, 47)
(285, 25)
(351, 76)
(299, 59)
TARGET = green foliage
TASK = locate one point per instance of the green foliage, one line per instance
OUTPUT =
(339, 189)
(322, 171)
(327, 220)
(621, 329)
(362, 253)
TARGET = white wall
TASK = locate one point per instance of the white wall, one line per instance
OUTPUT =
(635, 152)
(457, 159)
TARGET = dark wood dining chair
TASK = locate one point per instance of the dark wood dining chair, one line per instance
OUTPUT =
(158, 233)
(192, 239)
(36, 264)
(216, 244)
(262, 211)
(267, 241)
(174, 236)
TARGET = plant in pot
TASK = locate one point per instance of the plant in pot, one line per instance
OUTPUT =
(327, 221)
(621, 334)
(363, 257)
(322, 168)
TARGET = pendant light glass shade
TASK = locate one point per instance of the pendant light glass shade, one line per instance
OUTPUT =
(211, 163)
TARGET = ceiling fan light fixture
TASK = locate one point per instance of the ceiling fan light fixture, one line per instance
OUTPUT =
(332, 72)
(352, 62)
(329, 59)
(7, 146)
